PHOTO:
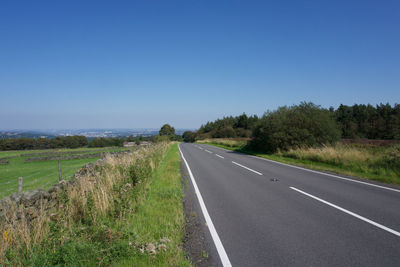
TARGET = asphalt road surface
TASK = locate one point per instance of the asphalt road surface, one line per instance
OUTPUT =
(263, 213)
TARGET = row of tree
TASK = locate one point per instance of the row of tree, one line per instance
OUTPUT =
(166, 133)
(66, 142)
(306, 124)
(367, 121)
(43, 143)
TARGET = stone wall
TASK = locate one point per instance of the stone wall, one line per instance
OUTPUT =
(30, 204)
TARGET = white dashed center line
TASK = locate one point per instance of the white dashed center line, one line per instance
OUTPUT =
(247, 168)
(349, 212)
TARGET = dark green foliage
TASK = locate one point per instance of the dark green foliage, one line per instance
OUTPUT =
(106, 142)
(167, 129)
(289, 127)
(366, 121)
(240, 126)
(189, 137)
(357, 121)
(225, 131)
(167, 133)
(42, 143)
(69, 142)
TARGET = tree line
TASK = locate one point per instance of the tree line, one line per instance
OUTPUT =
(166, 133)
(305, 124)
(66, 142)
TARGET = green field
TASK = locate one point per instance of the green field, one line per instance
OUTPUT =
(41, 174)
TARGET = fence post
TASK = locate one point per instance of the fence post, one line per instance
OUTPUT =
(20, 185)
(59, 171)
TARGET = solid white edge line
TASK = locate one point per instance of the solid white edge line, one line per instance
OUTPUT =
(349, 212)
(218, 244)
(219, 156)
(247, 168)
(318, 172)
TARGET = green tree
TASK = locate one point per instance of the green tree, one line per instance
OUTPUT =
(189, 136)
(167, 129)
(289, 127)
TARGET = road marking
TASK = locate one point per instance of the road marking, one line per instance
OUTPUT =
(200, 147)
(350, 213)
(247, 168)
(218, 244)
(318, 172)
(208, 151)
(219, 156)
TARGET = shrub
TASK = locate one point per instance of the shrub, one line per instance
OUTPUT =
(224, 132)
(189, 136)
(302, 125)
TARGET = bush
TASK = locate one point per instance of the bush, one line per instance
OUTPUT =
(224, 132)
(189, 137)
(303, 125)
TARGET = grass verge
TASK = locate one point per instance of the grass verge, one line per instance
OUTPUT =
(160, 217)
(368, 162)
(128, 213)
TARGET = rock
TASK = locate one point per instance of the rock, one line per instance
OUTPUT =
(165, 240)
(162, 247)
(15, 198)
(34, 197)
(151, 248)
(32, 212)
(55, 188)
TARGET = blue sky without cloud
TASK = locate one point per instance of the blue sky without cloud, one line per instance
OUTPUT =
(135, 64)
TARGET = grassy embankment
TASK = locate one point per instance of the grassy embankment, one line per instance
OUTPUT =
(42, 174)
(363, 161)
(128, 214)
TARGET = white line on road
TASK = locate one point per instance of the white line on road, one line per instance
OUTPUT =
(200, 147)
(218, 244)
(247, 168)
(323, 173)
(219, 156)
(208, 151)
(349, 212)
(330, 175)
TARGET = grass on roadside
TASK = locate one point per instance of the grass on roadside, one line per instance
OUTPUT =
(160, 217)
(129, 212)
(363, 161)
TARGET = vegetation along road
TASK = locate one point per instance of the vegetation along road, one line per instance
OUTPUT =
(264, 213)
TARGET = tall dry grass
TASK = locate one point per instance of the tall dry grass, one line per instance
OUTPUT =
(361, 158)
(228, 142)
(88, 199)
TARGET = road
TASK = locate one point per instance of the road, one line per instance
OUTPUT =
(263, 213)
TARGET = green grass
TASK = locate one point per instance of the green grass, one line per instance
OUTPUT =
(41, 174)
(160, 216)
(362, 161)
(134, 203)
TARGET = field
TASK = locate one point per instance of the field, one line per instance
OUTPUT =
(42, 170)
(128, 213)
(380, 163)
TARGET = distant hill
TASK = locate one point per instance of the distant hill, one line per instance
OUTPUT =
(89, 133)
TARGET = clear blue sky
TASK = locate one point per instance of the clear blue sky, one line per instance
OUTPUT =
(135, 64)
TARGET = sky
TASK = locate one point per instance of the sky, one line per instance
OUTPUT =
(140, 64)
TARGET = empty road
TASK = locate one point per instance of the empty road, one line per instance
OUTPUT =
(263, 213)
